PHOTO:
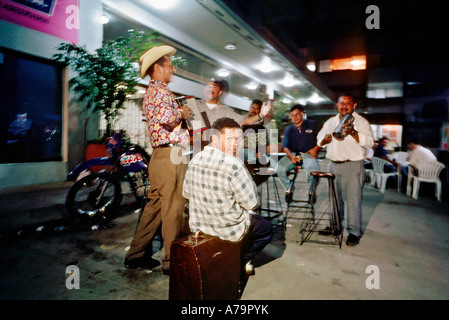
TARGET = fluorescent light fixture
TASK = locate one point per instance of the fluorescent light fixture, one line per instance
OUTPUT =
(383, 90)
(162, 4)
(223, 72)
(251, 86)
(230, 46)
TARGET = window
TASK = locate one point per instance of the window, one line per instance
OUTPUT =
(352, 63)
(30, 108)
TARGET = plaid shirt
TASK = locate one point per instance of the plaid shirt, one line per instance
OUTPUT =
(220, 192)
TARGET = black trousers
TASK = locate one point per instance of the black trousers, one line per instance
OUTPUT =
(258, 236)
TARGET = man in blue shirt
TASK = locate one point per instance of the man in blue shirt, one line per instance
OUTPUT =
(300, 147)
(380, 152)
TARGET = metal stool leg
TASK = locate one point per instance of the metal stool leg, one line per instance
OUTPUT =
(310, 222)
(335, 219)
(278, 210)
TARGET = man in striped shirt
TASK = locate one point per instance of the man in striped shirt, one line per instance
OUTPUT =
(222, 193)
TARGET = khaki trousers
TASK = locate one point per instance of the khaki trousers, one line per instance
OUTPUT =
(165, 205)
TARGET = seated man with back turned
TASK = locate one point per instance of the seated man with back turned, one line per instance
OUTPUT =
(418, 153)
(221, 193)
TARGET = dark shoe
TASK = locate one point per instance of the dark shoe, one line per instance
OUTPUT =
(141, 263)
(325, 232)
(352, 240)
(249, 269)
(166, 272)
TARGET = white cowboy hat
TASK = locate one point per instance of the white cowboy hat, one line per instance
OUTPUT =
(152, 55)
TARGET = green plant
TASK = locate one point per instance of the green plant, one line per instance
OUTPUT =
(104, 78)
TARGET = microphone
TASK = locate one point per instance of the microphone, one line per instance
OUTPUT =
(338, 134)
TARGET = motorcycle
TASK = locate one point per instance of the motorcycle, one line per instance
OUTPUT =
(99, 193)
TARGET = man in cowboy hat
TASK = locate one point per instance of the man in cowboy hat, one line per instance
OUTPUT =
(165, 202)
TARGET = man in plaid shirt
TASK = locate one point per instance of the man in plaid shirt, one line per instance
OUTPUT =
(221, 193)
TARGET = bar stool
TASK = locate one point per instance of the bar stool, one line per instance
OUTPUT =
(310, 222)
(264, 178)
(267, 206)
(295, 204)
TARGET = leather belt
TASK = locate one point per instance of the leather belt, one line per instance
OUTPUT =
(166, 145)
(341, 161)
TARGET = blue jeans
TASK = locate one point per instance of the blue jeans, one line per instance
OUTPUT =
(309, 164)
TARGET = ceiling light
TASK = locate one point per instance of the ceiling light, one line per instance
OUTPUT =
(251, 86)
(311, 66)
(353, 63)
(223, 73)
(104, 19)
(230, 46)
(290, 81)
(266, 65)
(315, 98)
(163, 4)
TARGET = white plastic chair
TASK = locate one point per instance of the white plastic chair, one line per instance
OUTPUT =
(370, 173)
(427, 171)
(381, 177)
(400, 157)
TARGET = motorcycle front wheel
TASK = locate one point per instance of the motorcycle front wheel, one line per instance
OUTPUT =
(94, 195)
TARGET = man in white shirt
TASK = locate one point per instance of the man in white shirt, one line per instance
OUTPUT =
(418, 153)
(346, 156)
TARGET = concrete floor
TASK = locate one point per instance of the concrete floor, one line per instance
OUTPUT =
(406, 243)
